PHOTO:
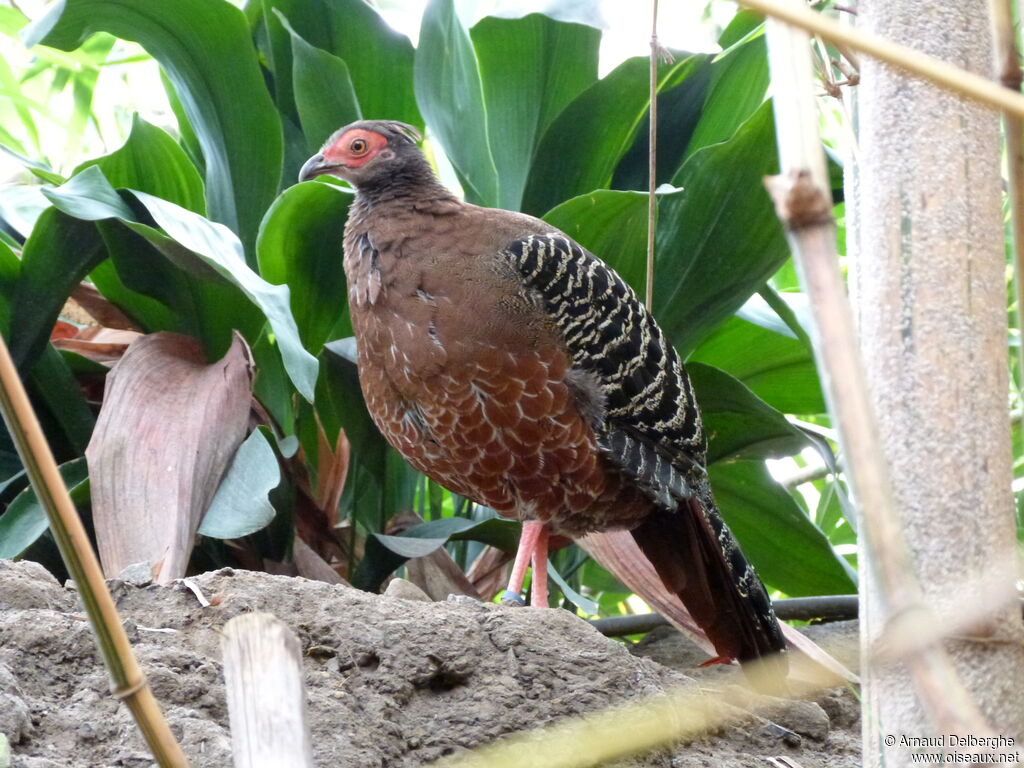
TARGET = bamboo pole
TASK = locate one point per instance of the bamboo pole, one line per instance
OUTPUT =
(804, 204)
(127, 680)
(934, 70)
(266, 695)
(1004, 34)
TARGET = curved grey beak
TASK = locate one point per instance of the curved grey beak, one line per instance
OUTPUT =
(315, 166)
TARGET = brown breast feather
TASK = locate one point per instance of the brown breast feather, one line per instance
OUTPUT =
(465, 378)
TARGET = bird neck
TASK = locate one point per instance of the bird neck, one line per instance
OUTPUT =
(413, 181)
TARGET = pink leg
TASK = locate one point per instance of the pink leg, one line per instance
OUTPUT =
(527, 543)
(539, 585)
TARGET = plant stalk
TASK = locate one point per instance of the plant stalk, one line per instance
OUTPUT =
(652, 164)
(1004, 34)
(941, 73)
(127, 680)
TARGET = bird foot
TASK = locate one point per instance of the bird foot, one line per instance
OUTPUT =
(512, 599)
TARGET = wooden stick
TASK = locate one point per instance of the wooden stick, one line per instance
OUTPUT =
(127, 682)
(939, 72)
(804, 204)
(266, 695)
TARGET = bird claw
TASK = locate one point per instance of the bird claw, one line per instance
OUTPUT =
(512, 599)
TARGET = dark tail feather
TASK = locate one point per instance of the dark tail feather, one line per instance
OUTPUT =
(696, 556)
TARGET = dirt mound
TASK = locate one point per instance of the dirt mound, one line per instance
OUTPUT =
(391, 682)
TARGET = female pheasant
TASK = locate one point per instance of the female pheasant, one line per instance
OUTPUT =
(515, 368)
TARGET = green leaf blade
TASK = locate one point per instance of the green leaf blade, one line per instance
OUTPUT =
(789, 552)
(530, 68)
(450, 93)
(300, 245)
(241, 505)
(223, 95)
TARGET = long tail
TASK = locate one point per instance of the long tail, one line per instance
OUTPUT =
(697, 557)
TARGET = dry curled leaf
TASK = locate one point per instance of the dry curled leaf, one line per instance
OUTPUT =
(169, 425)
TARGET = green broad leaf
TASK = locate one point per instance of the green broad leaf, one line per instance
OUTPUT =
(40, 169)
(10, 271)
(450, 94)
(151, 161)
(530, 68)
(410, 547)
(384, 554)
(379, 59)
(216, 247)
(272, 387)
(707, 266)
(833, 511)
(59, 253)
(300, 244)
(745, 26)
(324, 96)
(583, 145)
(679, 111)
(611, 224)
(208, 308)
(241, 505)
(65, 415)
(777, 368)
(90, 197)
(778, 312)
(737, 88)
(189, 140)
(153, 292)
(790, 553)
(585, 604)
(206, 51)
(738, 423)
(25, 519)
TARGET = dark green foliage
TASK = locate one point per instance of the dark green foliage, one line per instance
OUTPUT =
(208, 233)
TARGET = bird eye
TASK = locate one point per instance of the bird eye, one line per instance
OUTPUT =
(358, 146)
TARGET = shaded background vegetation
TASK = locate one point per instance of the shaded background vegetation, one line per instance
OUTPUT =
(194, 231)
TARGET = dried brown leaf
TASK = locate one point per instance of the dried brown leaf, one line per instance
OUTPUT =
(100, 309)
(310, 565)
(169, 426)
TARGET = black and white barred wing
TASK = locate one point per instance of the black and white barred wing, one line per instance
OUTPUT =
(651, 426)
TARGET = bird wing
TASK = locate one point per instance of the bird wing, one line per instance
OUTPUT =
(648, 420)
(651, 430)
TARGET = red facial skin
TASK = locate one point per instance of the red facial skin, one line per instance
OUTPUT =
(355, 148)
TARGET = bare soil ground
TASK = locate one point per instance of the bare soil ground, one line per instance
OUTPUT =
(391, 683)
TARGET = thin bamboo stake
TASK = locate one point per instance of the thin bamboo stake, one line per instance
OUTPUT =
(1004, 34)
(127, 681)
(266, 693)
(652, 165)
(941, 73)
(804, 204)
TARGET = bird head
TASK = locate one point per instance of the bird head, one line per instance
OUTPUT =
(365, 152)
